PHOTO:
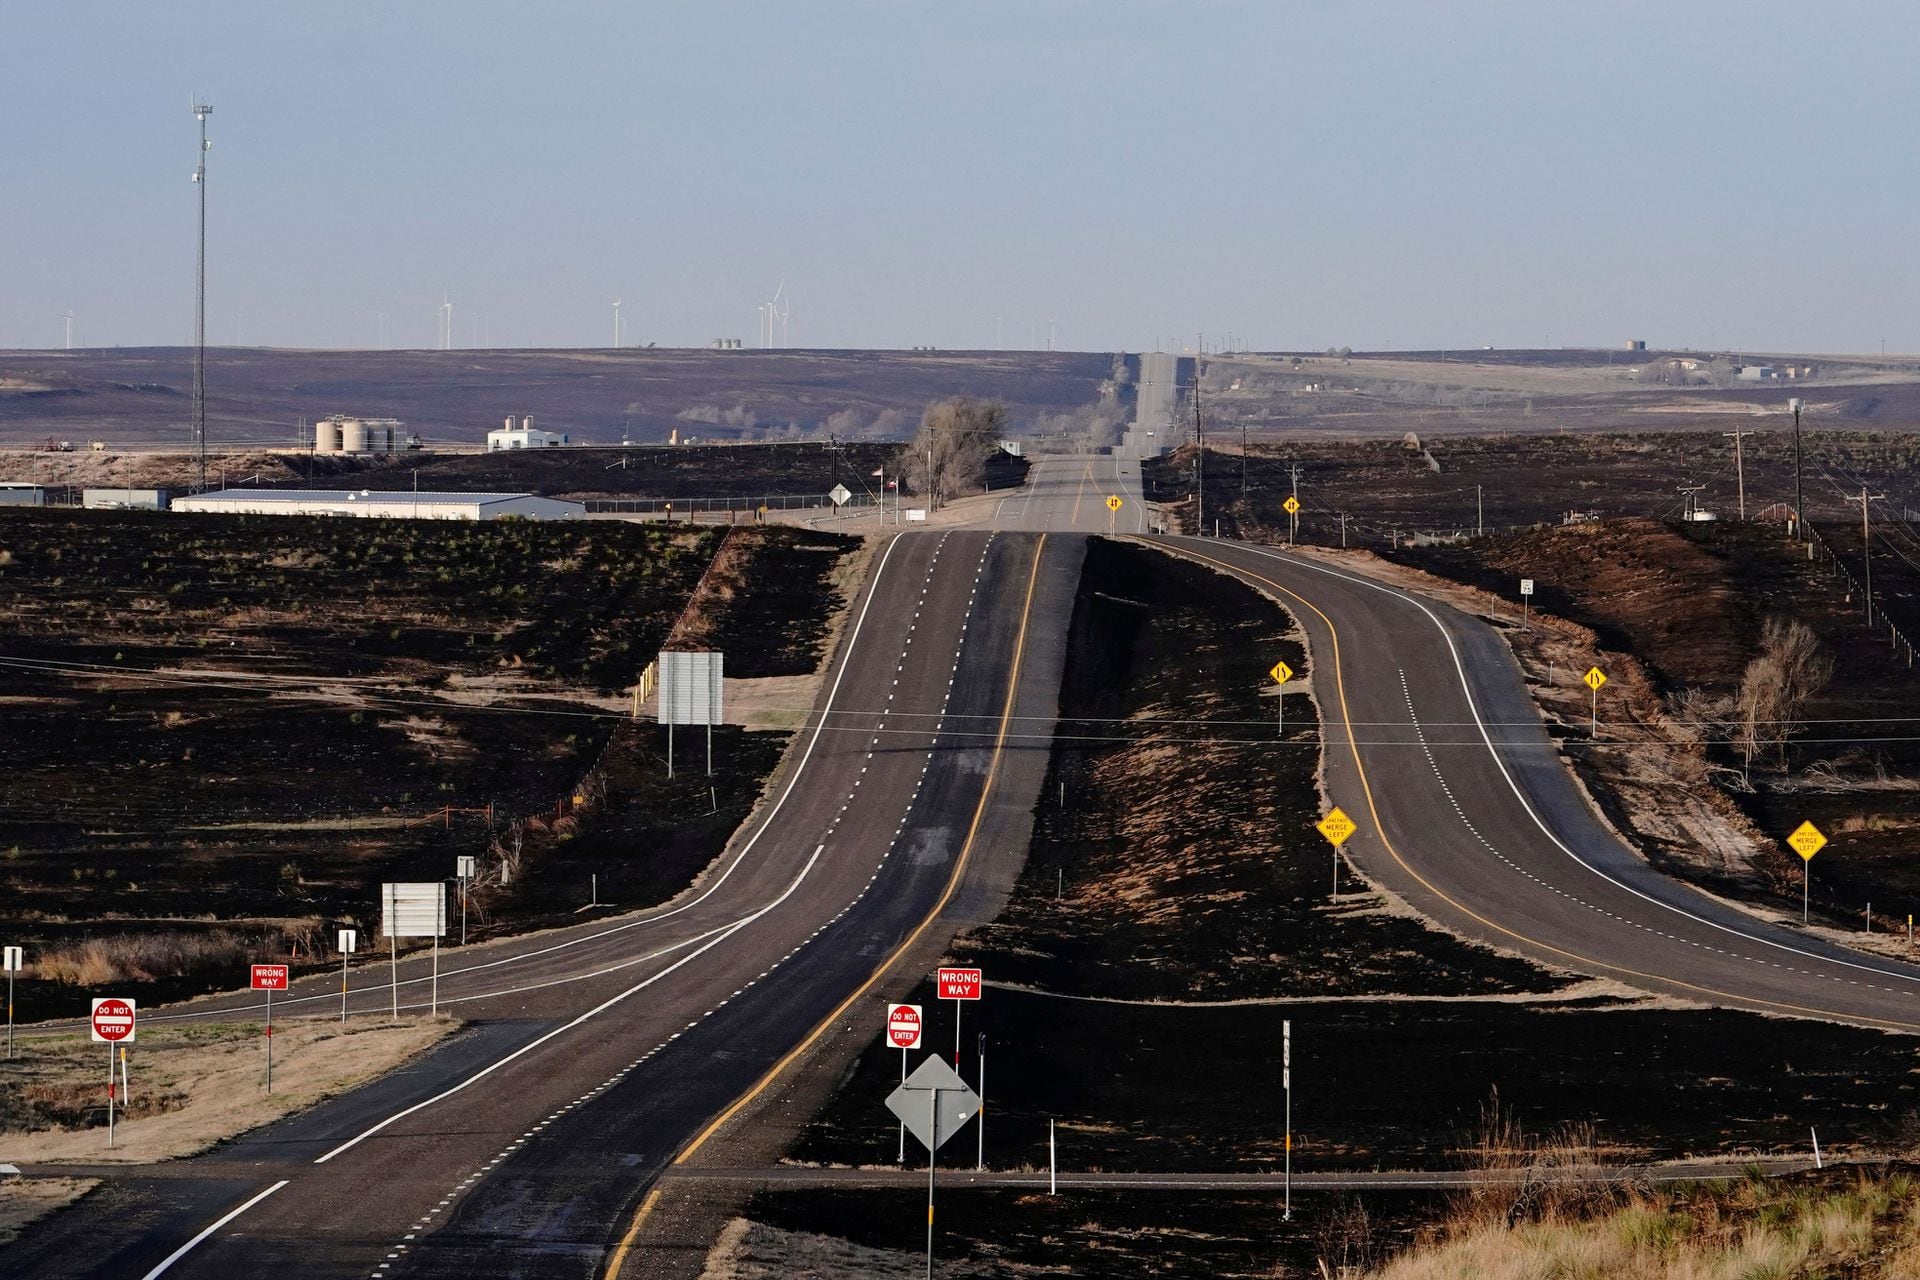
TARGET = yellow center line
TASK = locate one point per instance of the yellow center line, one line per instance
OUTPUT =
(1578, 960)
(1079, 492)
(645, 1210)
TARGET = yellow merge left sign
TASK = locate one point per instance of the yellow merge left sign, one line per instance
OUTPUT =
(1807, 840)
(1281, 673)
(1336, 827)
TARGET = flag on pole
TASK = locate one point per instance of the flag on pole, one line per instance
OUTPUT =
(881, 471)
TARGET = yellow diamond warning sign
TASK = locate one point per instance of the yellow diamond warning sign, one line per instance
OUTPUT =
(1336, 827)
(1113, 502)
(1806, 840)
(1595, 677)
(1292, 506)
(1281, 673)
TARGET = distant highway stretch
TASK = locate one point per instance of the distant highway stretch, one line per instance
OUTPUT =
(521, 1146)
(1436, 749)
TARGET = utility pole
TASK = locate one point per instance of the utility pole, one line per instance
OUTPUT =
(1799, 506)
(1243, 463)
(1866, 541)
(201, 111)
(1479, 514)
(1200, 459)
(1343, 531)
(1740, 468)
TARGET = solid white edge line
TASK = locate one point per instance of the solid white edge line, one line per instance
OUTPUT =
(190, 1245)
(1467, 690)
(853, 639)
(598, 1009)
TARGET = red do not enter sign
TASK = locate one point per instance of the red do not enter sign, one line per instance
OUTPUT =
(903, 1026)
(112, 1021)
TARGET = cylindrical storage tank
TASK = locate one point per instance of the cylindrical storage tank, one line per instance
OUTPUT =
(526, 423)
(353, 436)
(508, 425)
(326, 436)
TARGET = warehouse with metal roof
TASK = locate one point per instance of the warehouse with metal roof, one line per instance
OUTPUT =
(395, 504)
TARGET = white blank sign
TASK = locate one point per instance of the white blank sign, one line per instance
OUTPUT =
(690, 687)
(417, 910)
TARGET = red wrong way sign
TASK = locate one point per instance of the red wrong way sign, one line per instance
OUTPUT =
(269, 977)
(958, 984)
(112, 1021)
(903, 1026)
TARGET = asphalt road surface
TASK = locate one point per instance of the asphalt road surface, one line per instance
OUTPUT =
(1069, 493)
(1435, 748)
(521, 1146)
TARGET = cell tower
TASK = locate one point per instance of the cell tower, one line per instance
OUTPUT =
(201, 111)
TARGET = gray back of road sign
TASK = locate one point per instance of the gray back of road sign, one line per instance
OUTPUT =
(416, 910)
(463, 866)
(957, 1103)
(690, 687)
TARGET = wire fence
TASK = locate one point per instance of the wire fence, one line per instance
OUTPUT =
(1897, 641)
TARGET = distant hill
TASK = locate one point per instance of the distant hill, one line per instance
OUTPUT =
(143, 396)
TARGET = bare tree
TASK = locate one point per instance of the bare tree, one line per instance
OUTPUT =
(1776, 688)
(1757, 710)
(949, 454)
(1805, 668)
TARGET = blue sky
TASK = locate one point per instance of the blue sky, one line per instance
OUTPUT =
(1294, 174)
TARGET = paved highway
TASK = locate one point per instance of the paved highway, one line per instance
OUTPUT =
(1434, 746)
(521, 1147)
(1067, 493)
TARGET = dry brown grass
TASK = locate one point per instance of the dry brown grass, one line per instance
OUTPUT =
(1868, 1229)
(144, 957)
(1550, 1217)
(191, 1085)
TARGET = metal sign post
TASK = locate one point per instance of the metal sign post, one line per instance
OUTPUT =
(1286, 1087)
(269, 978)
(1806, 841)
(349, 942)
(1336, 827)
(980, 1120)
(414, 910)
(1594, 678)
(950, 1104)
(1281, 673)
(112, 1023)
(904, 1025)
(691, 687)
(1526, 600)
(957, 985)
(10, 961)
(463, 867)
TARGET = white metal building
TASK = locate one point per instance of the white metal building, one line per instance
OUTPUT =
(124, 499)
(399, 503)
(521, 435)
(15, 493)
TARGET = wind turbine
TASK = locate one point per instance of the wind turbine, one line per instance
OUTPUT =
(69, 319)
(616, 325)
(773, 312)
(446, 320)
